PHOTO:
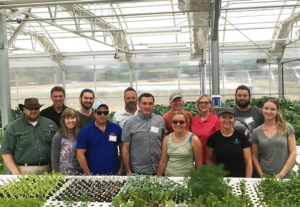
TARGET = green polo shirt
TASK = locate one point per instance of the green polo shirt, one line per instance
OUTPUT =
(27, 143)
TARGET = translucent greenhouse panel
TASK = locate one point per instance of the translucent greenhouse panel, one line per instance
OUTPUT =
(162, 81)
(33, 82)
(261, 78)
(292, 80)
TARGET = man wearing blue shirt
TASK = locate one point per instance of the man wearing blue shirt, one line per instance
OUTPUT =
(97, 144)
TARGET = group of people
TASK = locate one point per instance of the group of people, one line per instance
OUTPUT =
(138, 141)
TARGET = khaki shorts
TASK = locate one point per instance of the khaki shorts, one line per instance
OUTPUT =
(38, 170)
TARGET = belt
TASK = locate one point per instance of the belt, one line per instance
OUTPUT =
(36, 164)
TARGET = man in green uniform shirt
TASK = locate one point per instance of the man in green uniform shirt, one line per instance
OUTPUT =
(26, 144)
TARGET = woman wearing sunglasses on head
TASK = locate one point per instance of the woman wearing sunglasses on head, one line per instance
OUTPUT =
(205, 123)
(63, 150)
(230, 147)
(180, 149)
(273, 143)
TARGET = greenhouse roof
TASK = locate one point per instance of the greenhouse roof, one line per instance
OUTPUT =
(127, 27)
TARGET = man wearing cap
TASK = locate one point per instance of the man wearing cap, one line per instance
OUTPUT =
(98, 142)
(54, 112)
(26, 144)
(142, 137)
(251, 115)
(130, 99)
(176, 102)
(86, 100)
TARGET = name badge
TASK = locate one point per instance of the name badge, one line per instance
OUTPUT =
(112, 138)
(154, 129)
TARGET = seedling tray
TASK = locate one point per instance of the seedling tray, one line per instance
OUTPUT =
(93, 191)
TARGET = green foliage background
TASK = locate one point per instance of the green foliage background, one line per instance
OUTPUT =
(289, 109)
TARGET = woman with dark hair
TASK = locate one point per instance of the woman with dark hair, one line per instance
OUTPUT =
(206, 123)
(273, 143)
(180, 149)
(230, 147)
(63, 150)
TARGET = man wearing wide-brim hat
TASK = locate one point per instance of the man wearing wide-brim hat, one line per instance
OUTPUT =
(26, 143)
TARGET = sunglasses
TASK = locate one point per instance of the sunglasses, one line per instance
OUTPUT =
(102, 112)
(176, 122)
(271, 98)
(203, 102)
(33, 109)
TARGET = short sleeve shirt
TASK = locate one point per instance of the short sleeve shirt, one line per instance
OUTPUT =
(252, 117)
(272, 152)
(102, 151)
(145, 137)
(29, 144)
(203, 129)
(229, 151)
(51, 114)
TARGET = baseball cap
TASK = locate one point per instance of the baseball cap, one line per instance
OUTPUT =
(175, 95)
(226, 110)
(100, 103)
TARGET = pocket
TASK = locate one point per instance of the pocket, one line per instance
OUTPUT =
(47, 135)
(23, 141)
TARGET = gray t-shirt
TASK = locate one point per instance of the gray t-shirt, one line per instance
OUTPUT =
(145, 137)
(252, 117)
(272, 152)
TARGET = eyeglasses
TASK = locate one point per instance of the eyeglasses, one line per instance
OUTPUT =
(176, 122)
(102, 112)
(203, 102)
(33, 108)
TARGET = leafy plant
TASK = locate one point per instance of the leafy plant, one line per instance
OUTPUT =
(141, 190)
(280, 193)
(31, 188)
(206, 180)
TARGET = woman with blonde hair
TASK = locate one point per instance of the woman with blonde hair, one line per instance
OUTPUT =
(206, 123)
(63, 150)
(273, 143)
(180, 149)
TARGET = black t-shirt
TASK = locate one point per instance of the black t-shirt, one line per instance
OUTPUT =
(229, 151)
(50, 113)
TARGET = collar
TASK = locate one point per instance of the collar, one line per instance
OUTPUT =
(124, 112)
(108, 124)
(140, 115)
(64, 107)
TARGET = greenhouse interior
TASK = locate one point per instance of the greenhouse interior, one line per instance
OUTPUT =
(193, 47)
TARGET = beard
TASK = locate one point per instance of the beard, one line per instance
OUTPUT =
(32, 118)
(243, 105)
(85, 106)
(131, 105)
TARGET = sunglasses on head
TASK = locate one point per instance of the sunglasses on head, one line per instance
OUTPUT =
(102, 112)
(33, 108)
(176, 122)
(271, 98)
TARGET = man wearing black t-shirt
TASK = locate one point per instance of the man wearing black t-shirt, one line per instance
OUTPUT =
(54, 112)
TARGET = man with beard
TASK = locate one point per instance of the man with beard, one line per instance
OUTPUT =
(54, 112)
(130, 99)
(85, 112)
(26, 144)
(251, 115)
(176, 103)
